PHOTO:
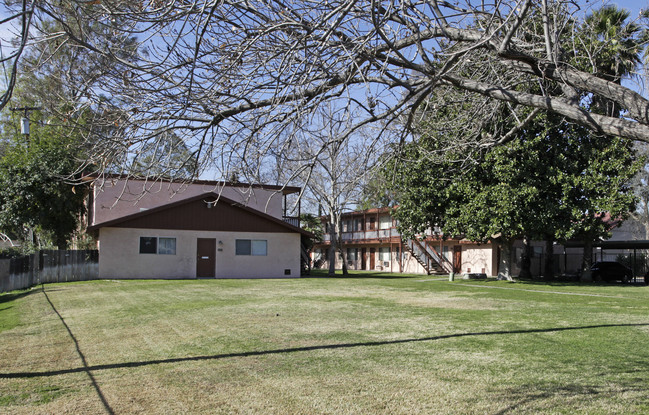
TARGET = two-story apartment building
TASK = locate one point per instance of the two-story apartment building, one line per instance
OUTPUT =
(371, 241)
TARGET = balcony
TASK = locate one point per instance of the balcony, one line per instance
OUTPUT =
(366, 236)
(292, 220)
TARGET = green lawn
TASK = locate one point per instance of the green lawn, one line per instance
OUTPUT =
(368, 344)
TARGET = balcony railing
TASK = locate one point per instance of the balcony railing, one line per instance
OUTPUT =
(292, 220)
(366, 235)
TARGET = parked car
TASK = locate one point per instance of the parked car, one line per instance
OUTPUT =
(611, 271)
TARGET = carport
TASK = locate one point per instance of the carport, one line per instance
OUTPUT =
(631, 246)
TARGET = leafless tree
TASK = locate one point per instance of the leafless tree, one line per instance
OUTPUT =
(333, 167)
(231, 76)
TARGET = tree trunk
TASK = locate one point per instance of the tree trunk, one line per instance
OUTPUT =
(332, 259)
(505, 269)
(526, 260)
(548, 272)
(306, 254)
(586, 273)
(61, 242)
(332, 250)
(344, 257)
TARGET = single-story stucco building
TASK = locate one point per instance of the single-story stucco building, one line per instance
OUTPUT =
(205, 235)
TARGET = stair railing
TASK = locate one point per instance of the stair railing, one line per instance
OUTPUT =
(428, 255)
(440, 259)
(419, 252)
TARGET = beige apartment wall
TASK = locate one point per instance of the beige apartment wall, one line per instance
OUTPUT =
(115, 198)
(410, 264)
(119, 255)
(477, 259)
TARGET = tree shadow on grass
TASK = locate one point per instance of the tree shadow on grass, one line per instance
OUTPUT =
(560, 283)
(89, 369)
(85, 367)
(8, 297)
(525, 395)
(353, 274)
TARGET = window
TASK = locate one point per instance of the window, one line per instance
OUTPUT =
(352, 254)
(155, 245)
(243, 247)
(259, 248)
(251, 247)
(148, 245)
(385, 222)
(167, 246)
(384, 254)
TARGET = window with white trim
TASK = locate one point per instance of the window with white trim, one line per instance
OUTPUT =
(385, 222)
(167, 246)
(157, 245)
(254, 247)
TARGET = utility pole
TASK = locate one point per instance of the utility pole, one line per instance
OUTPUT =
(24, 130)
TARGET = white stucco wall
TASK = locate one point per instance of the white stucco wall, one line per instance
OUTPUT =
(410, 265)
(478, 259)
(114, 198)
(119, 255)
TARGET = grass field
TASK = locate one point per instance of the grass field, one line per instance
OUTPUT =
(369, 344)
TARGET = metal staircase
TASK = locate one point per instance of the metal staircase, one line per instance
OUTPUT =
(428, 257)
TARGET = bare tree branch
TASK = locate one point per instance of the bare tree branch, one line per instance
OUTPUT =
(229, 77)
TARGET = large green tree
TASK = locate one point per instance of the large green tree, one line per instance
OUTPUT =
(545, 185)
(549, 179)
(34, 193)
(39, 171)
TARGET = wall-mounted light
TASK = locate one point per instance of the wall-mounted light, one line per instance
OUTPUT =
(220, 242)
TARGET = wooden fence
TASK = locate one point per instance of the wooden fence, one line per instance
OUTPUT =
(48, 266)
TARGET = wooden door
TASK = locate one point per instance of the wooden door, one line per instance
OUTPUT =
(363, 258)
(372, 258)
(205, 258)
(457, 259)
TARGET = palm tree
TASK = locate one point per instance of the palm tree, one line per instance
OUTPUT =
(614, 49)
